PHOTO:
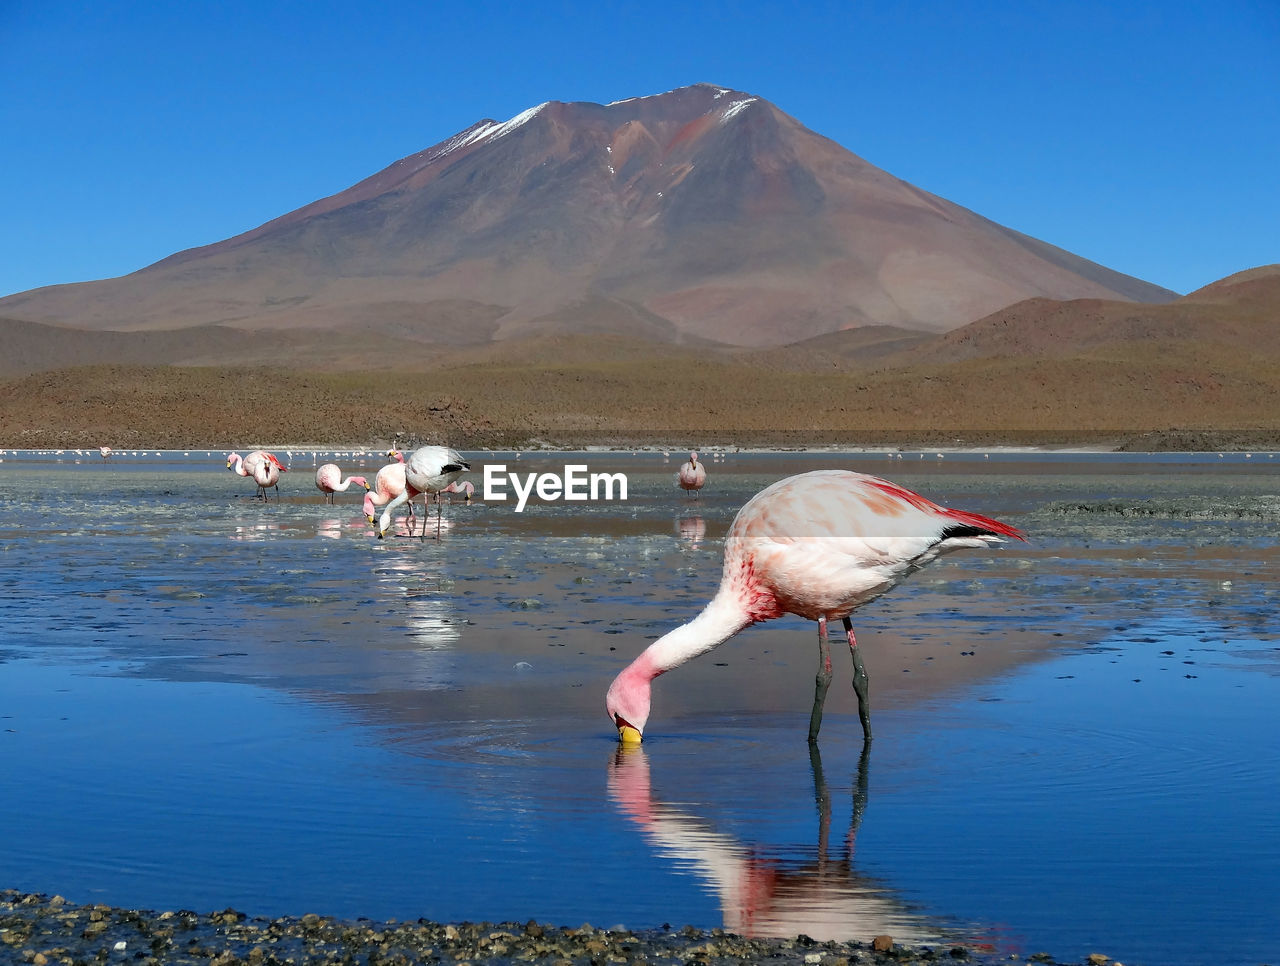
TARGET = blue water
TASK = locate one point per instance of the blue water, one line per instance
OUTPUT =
(208, 701)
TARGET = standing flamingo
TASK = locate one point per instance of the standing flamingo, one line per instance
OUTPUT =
(329, 481)
(266, 473)
(819, 545)
(387, 485)
(262, 466)
(105, 451)
(692, 476)
(429, 469)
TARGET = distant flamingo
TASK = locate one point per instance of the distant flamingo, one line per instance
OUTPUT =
(818, 545)
(692, 476)
(429, 469)
(329, 481)
(267, 475)
(261, 466)
(105, 451)
(465, 487)
(387, 485)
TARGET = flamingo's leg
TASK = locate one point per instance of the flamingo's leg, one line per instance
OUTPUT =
(821, 798)
(861, 683)
(822, 681)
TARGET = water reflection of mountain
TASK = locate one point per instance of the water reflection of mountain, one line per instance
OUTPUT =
(821, 895)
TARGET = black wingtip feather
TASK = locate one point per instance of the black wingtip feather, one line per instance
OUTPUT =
(958, 530)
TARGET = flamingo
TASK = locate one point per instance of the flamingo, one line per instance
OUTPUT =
(819, 545)
(387, 485)
(465, 487)
(266, 473)
(260, 465)
(329, 481)
(105, 451)
(692, 476)
(429, 469)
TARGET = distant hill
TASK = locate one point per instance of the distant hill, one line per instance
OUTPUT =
(1238, 316)
(702, 215)
(1201, 372)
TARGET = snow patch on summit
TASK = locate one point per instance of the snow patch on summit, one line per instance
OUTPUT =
(736, 108)
(483, 131)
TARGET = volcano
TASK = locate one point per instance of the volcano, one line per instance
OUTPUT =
(700, 214)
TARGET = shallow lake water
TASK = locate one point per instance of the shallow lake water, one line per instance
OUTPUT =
(208, 701)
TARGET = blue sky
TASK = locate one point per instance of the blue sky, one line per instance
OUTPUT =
(1145, 136)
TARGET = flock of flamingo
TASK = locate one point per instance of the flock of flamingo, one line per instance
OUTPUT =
(818, 545)
(429, 470)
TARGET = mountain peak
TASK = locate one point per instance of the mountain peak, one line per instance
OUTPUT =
(702, 212)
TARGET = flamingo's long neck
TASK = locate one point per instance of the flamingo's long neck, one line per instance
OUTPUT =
(719, 621)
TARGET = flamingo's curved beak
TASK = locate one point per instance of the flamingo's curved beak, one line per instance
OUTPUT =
(626, 733)
(370, 517)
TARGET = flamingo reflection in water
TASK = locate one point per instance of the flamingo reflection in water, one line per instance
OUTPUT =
(820, 895)
(692, 531)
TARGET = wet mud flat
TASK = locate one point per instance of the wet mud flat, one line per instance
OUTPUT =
(44, 930)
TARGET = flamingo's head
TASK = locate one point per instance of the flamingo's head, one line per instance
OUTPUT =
(693, 458)
(362, 481)
(628, 703)
(231, 459)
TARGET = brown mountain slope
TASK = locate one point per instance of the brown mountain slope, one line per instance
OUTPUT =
(680, 398)
(30, 347)
(1238, 316)
(702, 213)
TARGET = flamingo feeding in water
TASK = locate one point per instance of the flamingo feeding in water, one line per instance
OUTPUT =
(692, 476)
(819, 545)
(387, 485)
(329, 481)
(429, 469)
(465, 487)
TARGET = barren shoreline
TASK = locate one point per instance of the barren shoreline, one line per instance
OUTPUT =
(42, 930)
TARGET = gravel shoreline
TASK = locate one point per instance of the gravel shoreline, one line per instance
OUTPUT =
(44, 930)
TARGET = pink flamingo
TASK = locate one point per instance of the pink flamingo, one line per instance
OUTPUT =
(105, 451)
(387, 485)
(329, 481)
(819, 545)
(465, 487)
(262, 466)
(429, 469)
(692, 476)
